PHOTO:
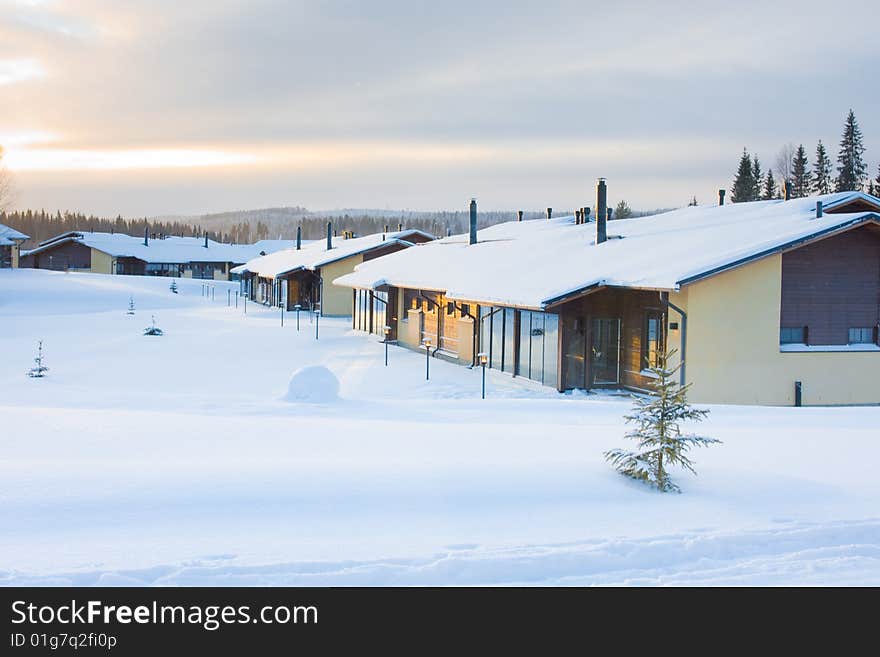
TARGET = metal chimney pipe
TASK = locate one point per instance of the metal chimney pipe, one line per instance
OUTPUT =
(577, 216)
(519, 214)
(610, 211)
(399, 227)
(586, 215)
(146, 236)
(788, 190)
(820, 209)
(473, 225)
(329, 236)
(386, 228)
(601, 212)
(206, 239)
(721, 193)
(299, 237)
(549, 213)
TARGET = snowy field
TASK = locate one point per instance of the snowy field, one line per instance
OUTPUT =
(177, 460)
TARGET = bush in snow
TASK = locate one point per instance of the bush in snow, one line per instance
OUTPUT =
(315, 384)
(660, 441)
(153, 330)
(38, 371)
(130, 306)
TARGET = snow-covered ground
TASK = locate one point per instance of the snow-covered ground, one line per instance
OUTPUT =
(181, 460)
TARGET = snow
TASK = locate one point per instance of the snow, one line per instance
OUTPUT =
(176, 461)
(528, 264)
(316, 254)
(797, 347)
(171, 249)
(10, 236)
(315, 384)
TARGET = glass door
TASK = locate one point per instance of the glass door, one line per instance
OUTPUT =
(605, 351)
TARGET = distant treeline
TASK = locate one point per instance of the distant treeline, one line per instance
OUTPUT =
(41, 225)
(248, 226)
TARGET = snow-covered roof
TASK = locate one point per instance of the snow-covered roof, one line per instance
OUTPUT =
(175, 250)
(315, 254)
(10, 236)
(533, 264)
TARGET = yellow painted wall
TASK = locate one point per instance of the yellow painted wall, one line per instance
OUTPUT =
(335, 299)
(220, 275)
(733, 354)
(465, 340)
(187, 273)
(409, 332)
(102, 263)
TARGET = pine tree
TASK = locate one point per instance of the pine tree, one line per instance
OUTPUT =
(623, 211)
(822, 171)
(770, 189)
(39, 370)
(851, 169)
(743, 188)
(658, 434)
(153, 330)
(800, 174)
(758, 176)
(130, 306)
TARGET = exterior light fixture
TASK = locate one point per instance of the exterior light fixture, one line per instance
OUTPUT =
(297, 308)
(483, 358)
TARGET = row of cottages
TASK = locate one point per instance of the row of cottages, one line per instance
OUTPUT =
(10, 245)
(772, 302)
(117, 253)
(302, 275)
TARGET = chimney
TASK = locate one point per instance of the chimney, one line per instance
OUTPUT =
(519, 214)
(577, 216)
(473, 226)
(146, 236)
(609, 213)
(820, 209)
(721, 193)
(788, 189)
(206, 239)
(586, 215)
(601, 212)
(549, 213)
(386, 228)
(399, 228)
(329, 236)
(448, 231)
(299, 237)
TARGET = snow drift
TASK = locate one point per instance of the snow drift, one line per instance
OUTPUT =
(315, 384)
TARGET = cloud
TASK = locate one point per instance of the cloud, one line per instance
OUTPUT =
(19, 70)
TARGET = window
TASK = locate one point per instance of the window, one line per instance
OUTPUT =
(793, 335)
(653, 339)
(450, 308)
(861, 336)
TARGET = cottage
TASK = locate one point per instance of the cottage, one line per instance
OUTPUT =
(771, 302)
(301, 275)
(10, 243)
(117, 253)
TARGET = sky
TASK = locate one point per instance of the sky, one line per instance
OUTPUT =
(154, 107)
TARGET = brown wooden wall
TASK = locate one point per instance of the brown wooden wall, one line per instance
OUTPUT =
(833, 285)
(630, 306)
(70, 255)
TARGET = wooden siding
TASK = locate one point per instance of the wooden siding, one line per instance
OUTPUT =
(631, 308)
(833, 285)
(70, 255)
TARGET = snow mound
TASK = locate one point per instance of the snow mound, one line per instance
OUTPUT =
(315, 384)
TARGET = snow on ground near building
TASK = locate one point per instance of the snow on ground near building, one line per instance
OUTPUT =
(176, 460)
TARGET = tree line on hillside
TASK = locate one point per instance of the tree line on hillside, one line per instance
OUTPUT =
(819, 177)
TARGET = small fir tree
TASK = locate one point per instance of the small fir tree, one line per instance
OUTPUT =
(758, 176)
(851, 169)
(822, 170)
(876, 191)
(801, 178)
(623, 211)
(770, 189)
(39, 370)
(173, 286)
(153, 330)
(661, 444)
(743, 187)
(130, 306)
